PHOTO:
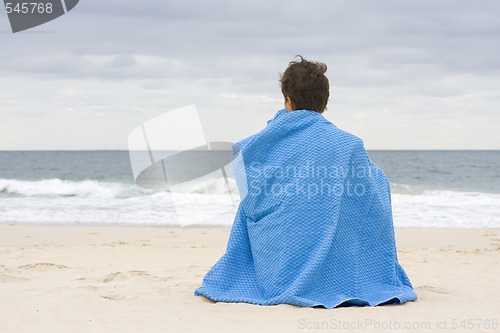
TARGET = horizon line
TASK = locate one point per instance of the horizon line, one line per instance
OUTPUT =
(377, 149)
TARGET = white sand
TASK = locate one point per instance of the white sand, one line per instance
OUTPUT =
(131, 279)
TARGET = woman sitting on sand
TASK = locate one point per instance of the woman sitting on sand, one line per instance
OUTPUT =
(314, 226)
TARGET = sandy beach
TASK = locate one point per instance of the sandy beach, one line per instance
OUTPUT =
(129, 279)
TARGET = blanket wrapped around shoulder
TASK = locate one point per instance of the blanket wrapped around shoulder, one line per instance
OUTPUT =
(314, 226)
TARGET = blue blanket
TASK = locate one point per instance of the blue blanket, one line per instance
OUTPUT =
(314, 226)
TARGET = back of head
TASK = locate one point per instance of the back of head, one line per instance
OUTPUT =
(306, 85)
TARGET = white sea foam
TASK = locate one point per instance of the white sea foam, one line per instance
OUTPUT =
(209, 202)
(56, 201)
(58, 187)
(443, 208)
(96, 189)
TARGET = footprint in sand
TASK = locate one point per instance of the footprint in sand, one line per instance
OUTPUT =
(42, 267)
(112, 244)
(114, 297)
(433, 289)
(112, 276)
(110, 286)
(139, 273)
(93, 288)
(12, 279)
(113, 283)
(119, 276)
(495, 241)
(144, 276)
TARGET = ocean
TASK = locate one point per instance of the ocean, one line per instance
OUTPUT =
(456, 189)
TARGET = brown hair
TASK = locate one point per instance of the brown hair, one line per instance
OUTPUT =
(306, 85)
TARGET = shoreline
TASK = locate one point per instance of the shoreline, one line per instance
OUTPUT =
(405, 236)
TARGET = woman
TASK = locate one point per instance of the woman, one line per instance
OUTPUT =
(314, 226)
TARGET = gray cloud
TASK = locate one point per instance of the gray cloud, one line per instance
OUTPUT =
(385, 58)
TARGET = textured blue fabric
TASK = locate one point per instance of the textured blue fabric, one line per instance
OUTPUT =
(314, 227)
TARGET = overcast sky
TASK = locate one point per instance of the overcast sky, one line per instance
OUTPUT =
(403, 74)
